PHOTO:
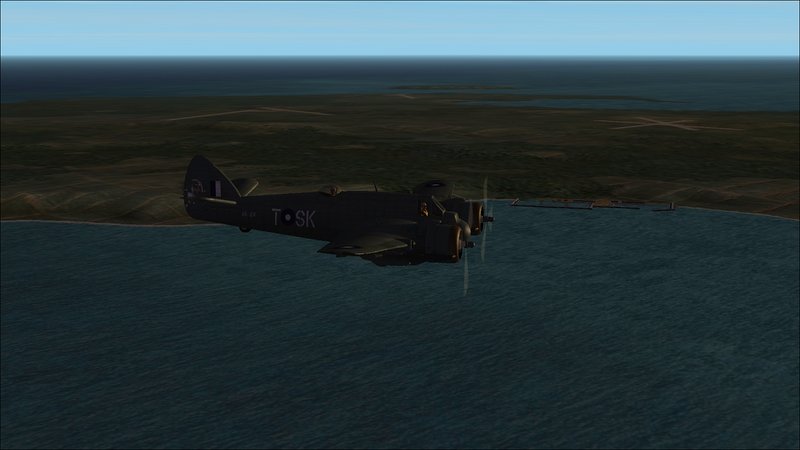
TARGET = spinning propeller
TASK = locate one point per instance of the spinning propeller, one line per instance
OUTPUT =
(486, 219)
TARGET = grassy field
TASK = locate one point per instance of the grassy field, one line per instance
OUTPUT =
(123, 160)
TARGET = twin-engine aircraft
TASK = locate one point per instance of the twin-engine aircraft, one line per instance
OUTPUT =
(430, 224)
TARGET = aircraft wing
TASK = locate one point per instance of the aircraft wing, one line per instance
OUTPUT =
(369, 243)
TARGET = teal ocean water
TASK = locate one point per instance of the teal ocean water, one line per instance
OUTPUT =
(581, 329)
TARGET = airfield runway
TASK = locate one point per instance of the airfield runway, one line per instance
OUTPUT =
(259, 109)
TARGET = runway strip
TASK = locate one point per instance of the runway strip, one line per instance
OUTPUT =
(215, 114)
(295, 111)
(260, 109)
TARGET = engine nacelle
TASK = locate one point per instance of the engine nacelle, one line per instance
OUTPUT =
(471, 212)
(443, 241)
(446, 240)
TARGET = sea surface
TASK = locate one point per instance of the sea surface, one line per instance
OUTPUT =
(601, 328)
(719, 84)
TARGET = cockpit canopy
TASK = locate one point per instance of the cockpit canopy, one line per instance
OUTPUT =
(440, 189)
(331, 190)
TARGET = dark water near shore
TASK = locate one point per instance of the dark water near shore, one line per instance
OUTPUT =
(743, 84)
(581, 329)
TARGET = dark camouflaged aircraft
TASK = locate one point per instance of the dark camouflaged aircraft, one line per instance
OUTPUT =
(429, 224)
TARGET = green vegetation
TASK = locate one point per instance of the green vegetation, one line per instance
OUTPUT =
(123, 160)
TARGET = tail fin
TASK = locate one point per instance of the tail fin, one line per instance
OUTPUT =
(204, 181)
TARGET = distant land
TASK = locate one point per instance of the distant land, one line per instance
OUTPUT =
(451, 87)
(122, 160)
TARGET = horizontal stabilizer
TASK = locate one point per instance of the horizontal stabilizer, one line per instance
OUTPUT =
(365, 244)
(245, 185)
(220, 201)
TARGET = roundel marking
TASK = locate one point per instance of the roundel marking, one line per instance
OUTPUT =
(287, 216)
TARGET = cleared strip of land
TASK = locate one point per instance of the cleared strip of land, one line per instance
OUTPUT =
(313, 113)
(260, 109)
(213, 114)
(647, 122)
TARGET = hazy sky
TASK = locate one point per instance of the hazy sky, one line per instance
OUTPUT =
(333, 28)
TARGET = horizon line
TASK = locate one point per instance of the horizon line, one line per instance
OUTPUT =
(402, 56)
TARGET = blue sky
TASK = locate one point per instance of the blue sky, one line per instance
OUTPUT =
(592, 28)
